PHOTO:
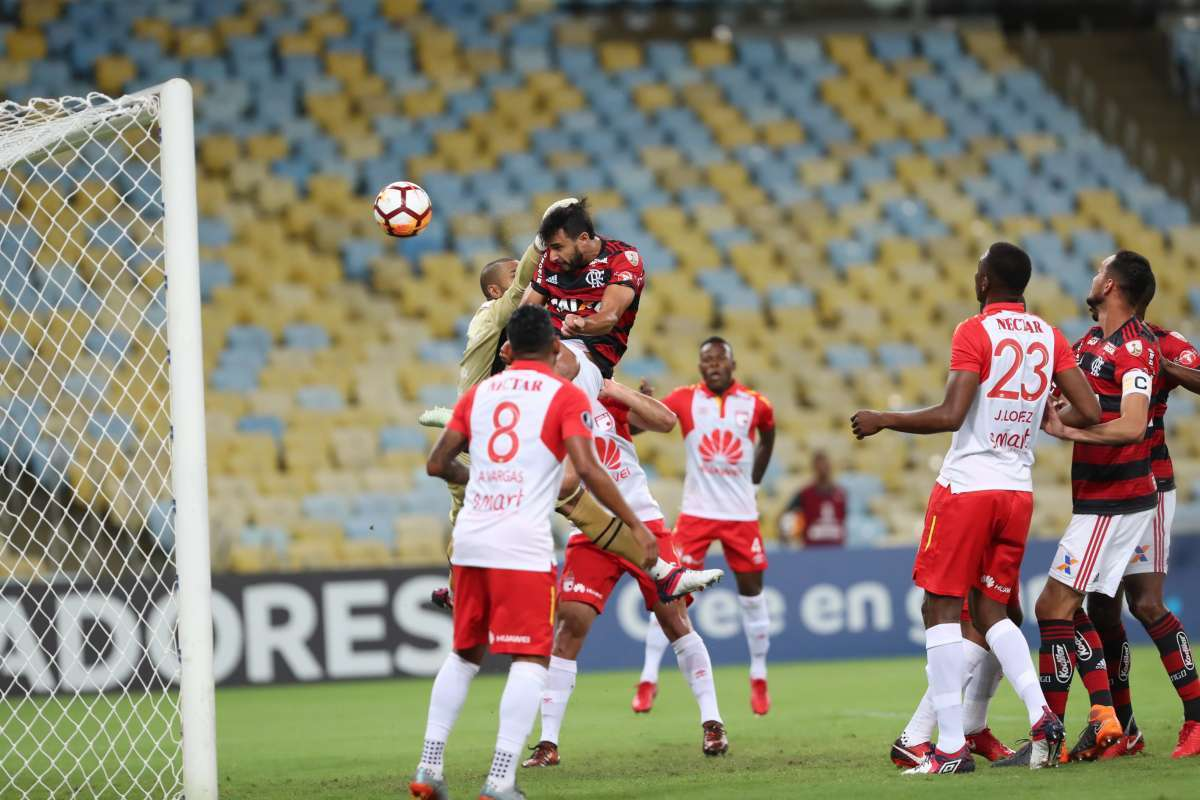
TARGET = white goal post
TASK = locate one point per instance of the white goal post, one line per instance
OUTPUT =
(106, 638)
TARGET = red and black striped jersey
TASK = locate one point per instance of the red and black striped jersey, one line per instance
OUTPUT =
(1173, 346)
(579, 292)
(1115, 479)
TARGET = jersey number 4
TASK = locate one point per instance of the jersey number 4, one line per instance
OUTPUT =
(1037, 349)
(505, 433)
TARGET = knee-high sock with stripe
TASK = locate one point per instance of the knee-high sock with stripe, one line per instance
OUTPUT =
(1090, 661)
(1176, 653)
(1056, 662)
(1118, 659)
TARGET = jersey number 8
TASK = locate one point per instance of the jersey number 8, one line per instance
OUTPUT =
(505, 430)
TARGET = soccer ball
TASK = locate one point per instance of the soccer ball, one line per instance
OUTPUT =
(403, 209)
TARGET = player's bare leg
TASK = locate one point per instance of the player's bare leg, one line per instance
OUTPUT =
(445, 702)
(945, 668)
(757, 624)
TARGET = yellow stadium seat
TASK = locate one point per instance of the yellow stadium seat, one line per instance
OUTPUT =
(25, 44)
(619, 55)
(113, 72)
(709, 53)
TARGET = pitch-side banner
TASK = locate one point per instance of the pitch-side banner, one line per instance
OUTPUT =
(308, 627)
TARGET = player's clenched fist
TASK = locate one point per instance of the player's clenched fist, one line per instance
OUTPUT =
(572, 326)
(866, 423)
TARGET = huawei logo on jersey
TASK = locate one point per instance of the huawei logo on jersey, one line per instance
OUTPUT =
(720, 445)
(609, 454)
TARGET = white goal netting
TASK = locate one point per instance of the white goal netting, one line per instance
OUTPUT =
(88, 657)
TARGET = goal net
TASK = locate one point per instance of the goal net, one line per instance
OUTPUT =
(105, 625)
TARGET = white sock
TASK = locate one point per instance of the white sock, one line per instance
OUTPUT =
(944, 651)
(758, 632)
(656, 645)
(1012, 651)
(518, 707)
(980, 688)
(445, 701)
(920, 728)
(560, 682)
(696, 666)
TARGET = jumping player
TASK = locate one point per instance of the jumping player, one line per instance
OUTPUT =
(590, 285)
(590, 574)
(720, 420)
(518, 425)
(1115, 496)
(1146, 573)
(1002, 362)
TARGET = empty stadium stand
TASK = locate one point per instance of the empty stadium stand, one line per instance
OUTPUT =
(819, 200)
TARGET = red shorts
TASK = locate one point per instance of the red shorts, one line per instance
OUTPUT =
(740, 539)
(509, 610)
(973, 539)
(590, 574)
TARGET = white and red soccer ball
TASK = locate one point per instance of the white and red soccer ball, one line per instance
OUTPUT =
(403, 209)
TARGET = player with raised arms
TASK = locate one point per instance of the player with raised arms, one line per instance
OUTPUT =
(1002, 363)
(729, 433)
(590, 575)
(518, 426)
(503, 283)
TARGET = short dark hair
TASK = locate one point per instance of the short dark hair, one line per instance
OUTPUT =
(717, 340)
(1151, 288)
(573, 219)
(1132, 274)
(1009, 266)
(487, 275)
(530, 332)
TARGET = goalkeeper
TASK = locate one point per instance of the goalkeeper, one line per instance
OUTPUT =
(503, 282)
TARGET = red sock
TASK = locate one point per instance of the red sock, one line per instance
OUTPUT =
(1090, 660)
(1176, 653)
(1117, 656)
(1056, 662)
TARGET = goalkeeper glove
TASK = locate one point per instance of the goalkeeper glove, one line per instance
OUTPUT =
(436, 417)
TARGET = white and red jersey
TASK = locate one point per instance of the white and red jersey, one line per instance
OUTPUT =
(1016, 355)
(517, 423)
(614, 444)
(719, 433)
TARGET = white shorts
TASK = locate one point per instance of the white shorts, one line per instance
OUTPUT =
(1096, 550)
(1154, 550)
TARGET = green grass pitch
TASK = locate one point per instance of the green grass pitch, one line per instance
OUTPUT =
(827, 736)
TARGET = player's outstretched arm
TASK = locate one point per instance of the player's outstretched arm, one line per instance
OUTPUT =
(1128, 428)
(946, 416)
(645, 413)
(443, 461)
(1186, 377)
(595, 477)
(1083, 410)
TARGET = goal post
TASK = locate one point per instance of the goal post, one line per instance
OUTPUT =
(106, 638)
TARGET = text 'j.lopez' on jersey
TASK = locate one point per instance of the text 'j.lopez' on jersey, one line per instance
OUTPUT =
(1016, 355)
(516, 423)
(1116, 479)
(719, 432)
(579, 291)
